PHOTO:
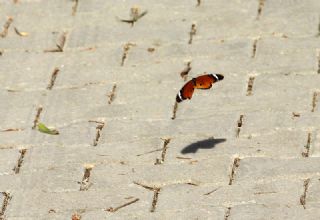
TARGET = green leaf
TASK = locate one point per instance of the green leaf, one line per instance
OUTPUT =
(42, 128)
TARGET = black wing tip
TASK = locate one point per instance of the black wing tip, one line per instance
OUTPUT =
(178, 99)
(217, 76)
(220, 76)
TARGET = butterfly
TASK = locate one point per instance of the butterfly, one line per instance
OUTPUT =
(201, 82)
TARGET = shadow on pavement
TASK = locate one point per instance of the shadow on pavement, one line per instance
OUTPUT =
(203, 144)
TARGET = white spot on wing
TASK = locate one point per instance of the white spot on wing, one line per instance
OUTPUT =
(180, 96)
(215, 76)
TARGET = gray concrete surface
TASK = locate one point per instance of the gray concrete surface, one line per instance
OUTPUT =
(111, 153)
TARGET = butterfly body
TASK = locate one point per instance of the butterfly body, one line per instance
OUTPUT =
(200, 82)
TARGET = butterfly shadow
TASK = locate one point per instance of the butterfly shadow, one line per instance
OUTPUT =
(203, 144)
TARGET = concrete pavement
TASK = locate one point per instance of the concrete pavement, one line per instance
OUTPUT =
(246, 149)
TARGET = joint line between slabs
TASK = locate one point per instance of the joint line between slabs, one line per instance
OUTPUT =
(7, 198)
(304, 195)
(235, 165)
(250, 85)
(193, 32)
(75, 7)
(36, 119)
(260, 8)
(164, 151)
(16, 169)
(85, 183)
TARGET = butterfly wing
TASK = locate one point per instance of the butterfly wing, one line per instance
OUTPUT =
(204, 81)
(186, 92)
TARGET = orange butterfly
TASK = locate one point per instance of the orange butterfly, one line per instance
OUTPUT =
(201, 82)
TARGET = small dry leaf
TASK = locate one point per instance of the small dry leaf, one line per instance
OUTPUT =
(22, 34)
(44, 129)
